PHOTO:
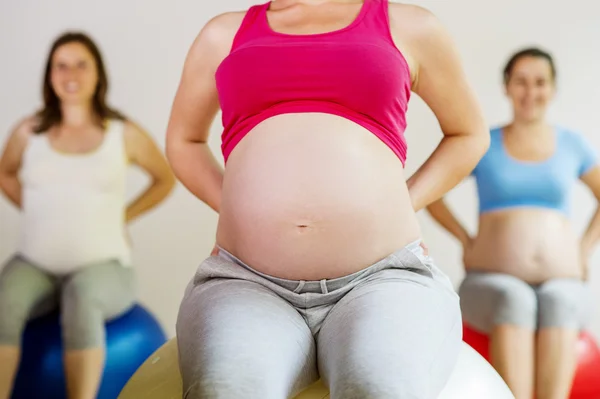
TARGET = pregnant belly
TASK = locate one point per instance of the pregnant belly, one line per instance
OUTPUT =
(64, 237)
(533, 244)
(314, 196)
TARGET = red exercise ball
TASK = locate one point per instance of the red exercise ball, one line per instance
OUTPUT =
(586, 384)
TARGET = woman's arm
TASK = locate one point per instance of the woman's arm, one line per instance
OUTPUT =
(440, 212)
(592, 233)
(194, 109)
(143, 152)
(10, 162)
(441, 82)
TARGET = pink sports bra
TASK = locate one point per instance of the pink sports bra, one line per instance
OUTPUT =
(356, 72)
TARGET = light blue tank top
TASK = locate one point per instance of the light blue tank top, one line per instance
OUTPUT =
(505, 182)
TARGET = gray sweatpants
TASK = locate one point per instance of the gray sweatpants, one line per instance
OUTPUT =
(392, 330)
(87, 298)
(492, 299)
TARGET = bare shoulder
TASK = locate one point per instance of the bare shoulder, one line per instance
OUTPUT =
(423, 37)
(17, 142)
(23, 130)
(132, 129)
(139, 143)
(135, 139)
(134, 134)
(27, 125)
(217, 35)
(412, 27)
(413, 21)
(226, 24)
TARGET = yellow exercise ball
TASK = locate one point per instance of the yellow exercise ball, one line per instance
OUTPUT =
(159, 378)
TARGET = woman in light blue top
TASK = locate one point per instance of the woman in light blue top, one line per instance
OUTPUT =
(526, 267)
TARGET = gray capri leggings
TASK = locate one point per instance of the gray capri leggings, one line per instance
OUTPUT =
(87, 298)
(392, 330)
(491, 299)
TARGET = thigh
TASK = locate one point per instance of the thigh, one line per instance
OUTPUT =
(491, 299)
(238, 339)
(395, 336)
(25, 290)
(563, 303)
(107, 287)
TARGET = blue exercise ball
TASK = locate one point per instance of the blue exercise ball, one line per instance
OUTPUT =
(130, 340)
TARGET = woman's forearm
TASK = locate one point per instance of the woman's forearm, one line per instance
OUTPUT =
(453, 160)
(197, 169)
(440, 212)
(149, 199)
(11, 187)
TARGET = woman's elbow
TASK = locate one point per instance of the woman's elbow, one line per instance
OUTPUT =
(163, 186)
(435, 205)
(481, 134)
(175, 152)
(168, 181)
(478, 144)
(171, 145)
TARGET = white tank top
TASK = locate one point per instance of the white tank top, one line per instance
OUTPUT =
(74, 204)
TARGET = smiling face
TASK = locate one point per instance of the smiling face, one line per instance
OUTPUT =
(530, 86)
(73, 73)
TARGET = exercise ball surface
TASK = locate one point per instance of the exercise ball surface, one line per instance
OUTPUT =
(130, 339)
(474, 378)
(586, 384)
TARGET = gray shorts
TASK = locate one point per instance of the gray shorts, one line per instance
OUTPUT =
(392, 330)
(87, 298)
(491, 299)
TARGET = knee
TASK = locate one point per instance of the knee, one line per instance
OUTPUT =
(493, 299)
(78, 299)
(517, 297)
(562, 303)
(11, 329)
(81, 318)
(80, 333)
(419, 370)
(13, 316)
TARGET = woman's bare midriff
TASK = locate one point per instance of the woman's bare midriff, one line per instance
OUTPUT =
(314, 196)
(534, 245)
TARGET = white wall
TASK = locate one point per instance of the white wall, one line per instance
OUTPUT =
(144, 44)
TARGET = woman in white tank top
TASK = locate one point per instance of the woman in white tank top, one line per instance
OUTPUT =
(65, 169)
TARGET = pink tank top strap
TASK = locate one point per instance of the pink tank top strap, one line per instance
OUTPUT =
(252, 24)
(376, 17)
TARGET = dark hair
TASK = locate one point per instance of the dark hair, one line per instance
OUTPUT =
(51, 115)
(528, 52)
